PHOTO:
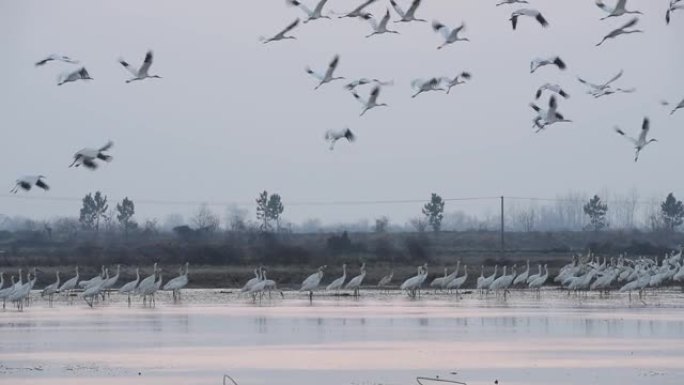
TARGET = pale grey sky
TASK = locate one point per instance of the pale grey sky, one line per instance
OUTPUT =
(232, 117)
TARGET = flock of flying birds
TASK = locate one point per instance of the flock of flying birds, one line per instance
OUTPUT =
(545, 117)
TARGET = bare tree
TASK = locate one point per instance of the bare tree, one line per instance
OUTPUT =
(205, 220)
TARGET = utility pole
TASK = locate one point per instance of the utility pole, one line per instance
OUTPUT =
(502, 226)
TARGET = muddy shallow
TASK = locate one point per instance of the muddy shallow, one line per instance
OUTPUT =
(378, 339)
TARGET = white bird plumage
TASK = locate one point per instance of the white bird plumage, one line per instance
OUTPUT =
(327, 77)
(621, 31)
(79, 74)
(87, 156)
(409, 15)
(450, 35)
(529, 13)
(618, 10)
(142, 72)
(315, 14)
(537, 63)
(640, 142)
(372, 101)
(381, 27)
(282, 34)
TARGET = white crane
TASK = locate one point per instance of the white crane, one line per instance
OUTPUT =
(535, 276)
(332, 136)
(147, 283)
(359, 11)
(27, 182)
(522, 277)
(21, 292)
(337, 284)
(94, 280)
(317, 12)
(252, 281)
(355, 283)
(461, 78)
(506, 2)
(282, 34)
(619, 9)
(537, 63)
(92, 291)
(372, 101)
(596, 88)
(529, 13)
(87, 156)
(546, 117)
(70, 284)
(110, 282)
(142, 72)
(481, 278)
(311, 282)
(621, 31)
(539, 281)
(674, 6)
(641, 142)
(176, 284)
(79, 74)
(503, 282)
(450, 35)
(409, 15)
(551, 87)
(131, 287)
(363, 81)
(381, 27)
(6, 292)
(55, 57)
(485, 283)
(423, 85)
(50, 289)
(151, 289)
(611, 90)
(458, 282)
(259, 287)
(386, 280)
(412, 284)
(328, 76)
(678, 106)
(438, 282)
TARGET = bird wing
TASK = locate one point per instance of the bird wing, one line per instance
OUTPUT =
(629, 24)
(359, 98)
(616, 77)
(645, 126)
(319, 6)
(417, 83)
(385, 20)
(594, 86)
(553, 106)
(441, 28)
(107, 146)
(300, 5)
(619, 131)
(412, 10)
(371, 20)
(621, 4)
(362, 6)
(314, 73)
(83, 73)
(349, 135)
(289, 28)
(600, 4)
(127, 66)
(332, 66)
(456, 31)
(374, 95)
(397, 8)
(146, 63)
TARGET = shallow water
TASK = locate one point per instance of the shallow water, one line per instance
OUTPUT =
(378, 339)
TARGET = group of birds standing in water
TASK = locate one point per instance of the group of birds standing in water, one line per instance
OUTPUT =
(583, 273)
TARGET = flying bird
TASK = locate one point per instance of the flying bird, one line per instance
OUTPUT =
(328, 76)
(611, 90)
(450, 36)
(640, 143)
(548, 117)
(27, 182)
(530, 13)
(54, 57)
(458, 79)
(555, 88)
(333, 136)
(594, 88)
(619, 9)
(678, 106)
(622, 31)
(317, 12)
(536, 63)
(421, 85)
(674, 6)
(79, 74)
(281, 35)
(363, 81)
(379, 28)
(372, 101)
(409, 15)
(358, 11)
(142, 72)
(504, 2)
(87, 156)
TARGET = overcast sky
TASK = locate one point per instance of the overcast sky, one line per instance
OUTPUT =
(232, 117)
